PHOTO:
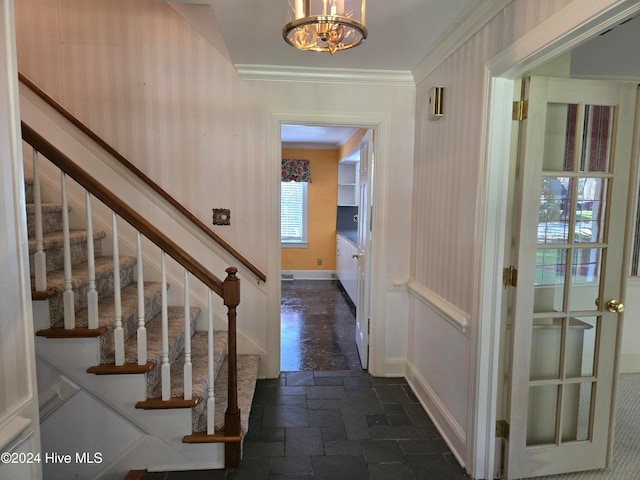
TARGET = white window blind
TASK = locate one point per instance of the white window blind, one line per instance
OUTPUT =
(293, 212)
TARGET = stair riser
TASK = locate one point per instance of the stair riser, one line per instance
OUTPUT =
(55, 254)
(51, 219)
(104, 287)
(152, 307)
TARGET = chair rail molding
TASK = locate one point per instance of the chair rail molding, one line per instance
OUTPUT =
(445, 309)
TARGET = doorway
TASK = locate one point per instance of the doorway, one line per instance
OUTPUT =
(324, 250)
(580, 211)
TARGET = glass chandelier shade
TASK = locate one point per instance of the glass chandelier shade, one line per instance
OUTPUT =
(326, 25)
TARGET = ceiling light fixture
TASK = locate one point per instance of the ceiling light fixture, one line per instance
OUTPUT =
(326, 25)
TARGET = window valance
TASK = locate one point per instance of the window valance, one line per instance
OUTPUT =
(296, 170)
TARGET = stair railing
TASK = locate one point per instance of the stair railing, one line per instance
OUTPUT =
(228, 290)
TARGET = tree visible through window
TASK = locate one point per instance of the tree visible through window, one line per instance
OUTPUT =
(293, 213)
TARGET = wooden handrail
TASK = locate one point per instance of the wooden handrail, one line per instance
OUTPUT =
(136, 171)
(123, 210)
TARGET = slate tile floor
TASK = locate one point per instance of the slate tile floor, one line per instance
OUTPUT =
(334, 421)
(337, 425)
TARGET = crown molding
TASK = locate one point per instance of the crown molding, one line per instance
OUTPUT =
(280, 73)
(474, 20)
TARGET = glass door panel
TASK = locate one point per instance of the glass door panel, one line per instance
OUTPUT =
(589, 209)
(541, 418)
(546, 348)
(596, 142)
(561, 131)
(576, 408)
(581, 347)
(555, 200)
(585, 278)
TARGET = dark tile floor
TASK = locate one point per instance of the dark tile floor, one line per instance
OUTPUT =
(337, 426)
(318, 327)
(326, 418)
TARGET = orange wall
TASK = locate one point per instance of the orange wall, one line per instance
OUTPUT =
(352, 143)
(323, 200)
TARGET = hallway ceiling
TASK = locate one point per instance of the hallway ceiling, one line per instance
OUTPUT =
(401, 33)
(320, 137)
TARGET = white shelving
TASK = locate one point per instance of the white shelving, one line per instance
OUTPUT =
(348, 171)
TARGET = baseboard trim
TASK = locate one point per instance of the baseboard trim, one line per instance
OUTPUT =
(308, 275)
(451, 431)
(395, 366)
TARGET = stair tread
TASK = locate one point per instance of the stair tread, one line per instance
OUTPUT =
(55, 239)
(128, 302)
(175, 317)
(247, 377)
(46, 206)
(55, 278)
(199, 365)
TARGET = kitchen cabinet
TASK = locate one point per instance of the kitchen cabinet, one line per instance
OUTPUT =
(347, 266)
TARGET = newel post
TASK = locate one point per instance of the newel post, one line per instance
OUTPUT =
(231, 298)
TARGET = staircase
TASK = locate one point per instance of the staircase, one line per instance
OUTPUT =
(163, 390)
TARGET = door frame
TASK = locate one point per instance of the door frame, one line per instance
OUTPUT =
(381, 124)
(564, 30)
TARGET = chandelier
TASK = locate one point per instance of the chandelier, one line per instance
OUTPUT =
(326, 25)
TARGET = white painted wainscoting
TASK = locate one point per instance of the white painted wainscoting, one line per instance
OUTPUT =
(439, 373)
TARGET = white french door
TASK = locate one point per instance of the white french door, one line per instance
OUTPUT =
(567, 307)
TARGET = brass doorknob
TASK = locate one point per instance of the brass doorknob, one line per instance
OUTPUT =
(614, 306)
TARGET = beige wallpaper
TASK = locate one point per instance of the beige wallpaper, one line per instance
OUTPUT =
(448, 152)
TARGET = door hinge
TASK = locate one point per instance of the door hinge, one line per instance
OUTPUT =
(502, 429)
(510, 277)
(520, 110)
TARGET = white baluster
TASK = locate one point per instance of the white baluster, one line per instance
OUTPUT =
(211, 399)
(40, 258)
(118, 333)
(166, 368)
(142, 330)
(92, 294)
(188, 391)
(68, 296)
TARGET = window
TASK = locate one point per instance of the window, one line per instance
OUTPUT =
(293, 214)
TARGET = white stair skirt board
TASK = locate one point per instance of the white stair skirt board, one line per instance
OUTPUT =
(308, 275)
